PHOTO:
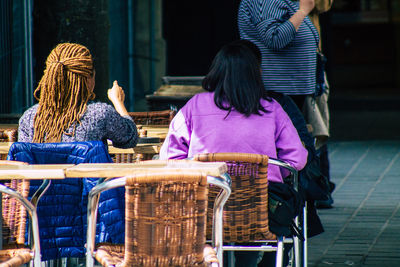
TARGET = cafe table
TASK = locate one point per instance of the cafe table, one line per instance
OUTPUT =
(40, 171)
(110, 170)
(8, 126)
(145, 148)
(159, 131)
(151, 130)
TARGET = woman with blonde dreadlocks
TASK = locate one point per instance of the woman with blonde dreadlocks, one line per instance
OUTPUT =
(66, 114)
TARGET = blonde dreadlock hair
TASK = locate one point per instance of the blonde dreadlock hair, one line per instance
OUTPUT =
(63, 92)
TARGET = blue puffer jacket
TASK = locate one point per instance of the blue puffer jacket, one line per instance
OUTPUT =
(62, 209)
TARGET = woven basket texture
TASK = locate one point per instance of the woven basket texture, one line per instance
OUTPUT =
(163, 117)
(7, 135)
(14, 252)
(246, 211)
(165, 222)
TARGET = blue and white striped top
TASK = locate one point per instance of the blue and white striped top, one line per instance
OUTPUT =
(288, 57)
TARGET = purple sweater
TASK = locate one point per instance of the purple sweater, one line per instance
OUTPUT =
(201, 127)
(99, 122)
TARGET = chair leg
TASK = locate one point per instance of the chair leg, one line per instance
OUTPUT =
(297, 246)
(279, 253)
(231, 257)
(35, 200)
(305, 251)
(300, 247)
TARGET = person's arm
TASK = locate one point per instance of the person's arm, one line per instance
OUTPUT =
(106, 123)
(276, 23)
(121, 131)
(23, 131)
(305, 7)
(25, 126)
(117, 96)
(288, 144)
(176, 144)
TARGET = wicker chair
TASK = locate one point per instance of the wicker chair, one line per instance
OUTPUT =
(14, 207)
(7, 135)
(143, 118)
(246, 211)
(165, 220)
(162, 117)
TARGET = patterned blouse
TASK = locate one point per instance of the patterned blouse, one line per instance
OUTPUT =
(99, 122)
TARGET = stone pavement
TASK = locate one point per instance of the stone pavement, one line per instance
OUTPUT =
(363, 228)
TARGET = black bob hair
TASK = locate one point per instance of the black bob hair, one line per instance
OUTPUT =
(235, 78)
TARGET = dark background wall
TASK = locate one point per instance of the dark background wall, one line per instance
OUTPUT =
(360, 38)
(83, 22)
(194, 31)
(180, 38)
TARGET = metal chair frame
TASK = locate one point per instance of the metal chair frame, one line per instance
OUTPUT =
(37, 195)
(34, 221)
(300, 247)
(223, 182)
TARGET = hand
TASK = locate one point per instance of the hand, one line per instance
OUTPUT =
(117, 97)
(306, 5)
(116, 94)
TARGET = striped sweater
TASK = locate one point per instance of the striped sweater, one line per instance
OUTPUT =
(288, 56)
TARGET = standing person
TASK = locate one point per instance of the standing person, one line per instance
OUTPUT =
(316, 110)
(288, 43)
(237, 105)
(287, 34)
(65, 112)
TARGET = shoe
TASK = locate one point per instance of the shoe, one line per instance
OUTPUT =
(324, 204)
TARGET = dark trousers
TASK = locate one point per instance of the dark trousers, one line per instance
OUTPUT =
(269, 258)
(324, 160)
(243, 258)
(299, 100)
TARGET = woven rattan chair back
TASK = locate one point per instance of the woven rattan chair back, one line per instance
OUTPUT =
(163, 117)
(7, 135)
(165, 221)
(125, 158)
(246, 211)
(14, 215)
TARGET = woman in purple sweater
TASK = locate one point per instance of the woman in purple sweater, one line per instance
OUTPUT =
(235, 115)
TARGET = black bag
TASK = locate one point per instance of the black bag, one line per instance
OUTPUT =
(315, 184)
(284, 204)
(321, 85)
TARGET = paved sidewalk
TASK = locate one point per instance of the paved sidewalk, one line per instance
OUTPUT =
(363, 228)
